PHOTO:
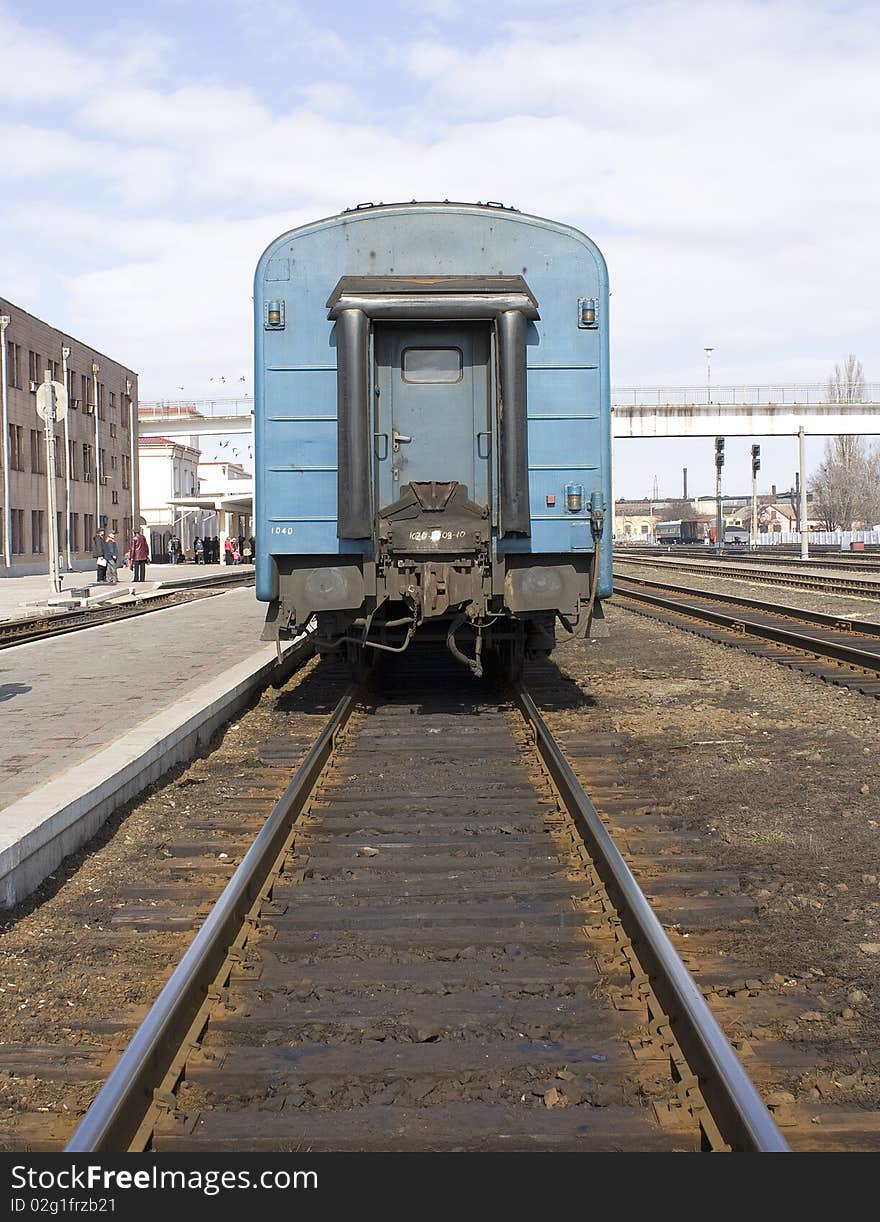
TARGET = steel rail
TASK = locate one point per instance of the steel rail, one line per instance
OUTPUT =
(839, 623)
(849, 655)
(738, 1110)
(833, 559)
(118, 1109)
(836, 581)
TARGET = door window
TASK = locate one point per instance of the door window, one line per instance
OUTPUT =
(432, 365)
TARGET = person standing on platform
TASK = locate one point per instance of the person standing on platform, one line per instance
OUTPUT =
(140, 554)
(215, 549)
(98, 551)
(199, 551)
(246, 550)
(111, 555)
(229, 548)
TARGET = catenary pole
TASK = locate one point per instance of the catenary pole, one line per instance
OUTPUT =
(65, 381)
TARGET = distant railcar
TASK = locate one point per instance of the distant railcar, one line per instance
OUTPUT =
(687, 531)
(432, 425)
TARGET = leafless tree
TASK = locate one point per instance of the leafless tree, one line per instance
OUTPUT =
(846, 488)
(675, 511)
(846, 385)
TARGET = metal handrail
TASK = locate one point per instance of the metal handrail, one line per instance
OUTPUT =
(172, 409)
(736, 1106)
(746, 393)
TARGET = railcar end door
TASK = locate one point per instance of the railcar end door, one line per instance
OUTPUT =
(432, 409)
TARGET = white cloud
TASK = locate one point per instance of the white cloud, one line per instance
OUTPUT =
(722, 156)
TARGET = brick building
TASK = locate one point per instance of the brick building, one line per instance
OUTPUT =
(96, 452)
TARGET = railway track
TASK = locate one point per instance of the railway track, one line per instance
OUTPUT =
(408, 957)
(838, 650)
(867, 561)
(40, 627)
(825, 577)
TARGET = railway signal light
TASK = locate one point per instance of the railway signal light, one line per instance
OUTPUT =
(756, 460)
(719, 453)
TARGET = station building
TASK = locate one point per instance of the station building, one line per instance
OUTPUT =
(96, 468)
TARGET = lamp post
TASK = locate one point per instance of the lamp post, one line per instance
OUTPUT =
(708, 352)
(4, 398)
(98, 470)
(134, 473)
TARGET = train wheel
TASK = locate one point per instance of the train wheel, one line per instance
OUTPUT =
(361, 662)
(504, 660)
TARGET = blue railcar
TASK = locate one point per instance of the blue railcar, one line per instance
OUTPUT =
(433, 426)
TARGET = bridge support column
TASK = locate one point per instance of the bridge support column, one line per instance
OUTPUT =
(802, 514)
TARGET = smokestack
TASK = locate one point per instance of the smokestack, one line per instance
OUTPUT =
(773, 491)
(684, 481)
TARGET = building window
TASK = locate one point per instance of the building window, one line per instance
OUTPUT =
(88, 529)
(114, 526)
(126, 471)
(112, 430)
(102, 465)
(16, 448)
(74, 532)
(59, 458)
(114, 497)
(38, 454)
(113, 462)
(101, 414)
(17, 532)
(38, 531)
(13, 365)
(88, 462)
(62, 540)
(113, 404)
(71, 459)
(35, 373)
(72, 400)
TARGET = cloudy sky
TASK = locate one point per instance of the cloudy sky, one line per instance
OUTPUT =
(723, 156)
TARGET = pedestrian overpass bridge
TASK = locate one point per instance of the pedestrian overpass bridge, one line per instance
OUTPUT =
(637, 411)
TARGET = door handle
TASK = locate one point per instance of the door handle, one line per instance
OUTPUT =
(397, 438)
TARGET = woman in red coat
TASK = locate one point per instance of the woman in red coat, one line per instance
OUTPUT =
(139, 555)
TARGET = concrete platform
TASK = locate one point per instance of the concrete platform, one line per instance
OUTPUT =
(90, 718)
(22, 597)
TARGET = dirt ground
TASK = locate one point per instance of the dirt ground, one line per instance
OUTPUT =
(778, 772)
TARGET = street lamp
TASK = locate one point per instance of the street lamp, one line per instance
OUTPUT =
(96, 369)
(708, 352)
